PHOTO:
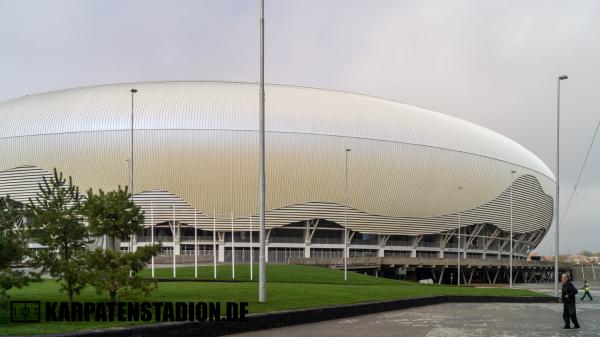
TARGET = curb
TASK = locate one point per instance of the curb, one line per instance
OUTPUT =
(278, 319)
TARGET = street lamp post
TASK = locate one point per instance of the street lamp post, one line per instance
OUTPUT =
(458, 246)
(556, 202)
(262, 292)
(346, 219)
(512, 181)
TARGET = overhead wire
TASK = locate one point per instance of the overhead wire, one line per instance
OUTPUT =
(585, 161)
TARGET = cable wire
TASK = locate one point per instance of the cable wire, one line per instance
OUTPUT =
(587, 155)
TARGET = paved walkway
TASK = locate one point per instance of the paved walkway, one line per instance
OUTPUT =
(458, 319)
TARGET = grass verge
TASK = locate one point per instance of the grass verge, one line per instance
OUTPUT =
(289, 287)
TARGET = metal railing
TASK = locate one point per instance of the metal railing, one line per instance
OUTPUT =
(157, 238)
(328, 240)
(416, 261)
(427, 244)
(200, 252)
(399, 243)
(366, 242)
(285, 239)
(203, 238)
(363, 253)
(326, 254)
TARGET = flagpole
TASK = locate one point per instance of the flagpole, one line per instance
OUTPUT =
(251, 249)
(214, 244)
(262, 278)
(195, 244)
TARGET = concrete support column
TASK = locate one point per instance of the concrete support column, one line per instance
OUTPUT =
(221, 248)
(441, 254)
(267, 251)
(413, 253)
(381, 252)
(176, 232)
(307, 249)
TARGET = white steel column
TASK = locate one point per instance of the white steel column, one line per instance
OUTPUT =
(307, 238)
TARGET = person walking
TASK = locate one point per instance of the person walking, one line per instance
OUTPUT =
(586, 291)
(568, 298)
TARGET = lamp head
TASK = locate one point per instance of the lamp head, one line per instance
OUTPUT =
(134, 90)
(348, 150)
(563, 77)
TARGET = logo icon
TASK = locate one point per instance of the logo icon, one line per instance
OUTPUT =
(25, 311)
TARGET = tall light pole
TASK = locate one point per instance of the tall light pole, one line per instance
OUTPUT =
(512, 181)
(133, 92)
(557, 198)
(262, 277)
(346, 219)
(458, 246)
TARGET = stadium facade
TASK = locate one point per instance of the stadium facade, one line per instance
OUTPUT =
(414, 177)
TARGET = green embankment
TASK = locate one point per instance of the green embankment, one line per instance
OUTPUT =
(289, 287)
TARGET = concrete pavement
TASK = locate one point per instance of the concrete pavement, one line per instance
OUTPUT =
(453, 320)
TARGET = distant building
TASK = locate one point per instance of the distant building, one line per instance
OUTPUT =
(578, 259)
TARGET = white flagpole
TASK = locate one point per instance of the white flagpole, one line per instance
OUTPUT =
(195, 244)
(346, 251)
(152, 232)
(232, 250)
(215, 244)
(262, 277)
(174, 235)
(251, 249)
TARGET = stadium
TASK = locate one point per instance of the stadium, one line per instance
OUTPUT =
(405, 181)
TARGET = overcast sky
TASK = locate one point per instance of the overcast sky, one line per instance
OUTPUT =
(493, 63)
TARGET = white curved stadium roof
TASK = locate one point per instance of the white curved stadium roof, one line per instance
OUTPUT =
(196, 154)
(234, 106)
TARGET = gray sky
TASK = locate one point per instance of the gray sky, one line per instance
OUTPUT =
(493, 63)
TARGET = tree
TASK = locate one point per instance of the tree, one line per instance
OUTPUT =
(115, 215)
(54, 222)
(13, 248)
(586, 253)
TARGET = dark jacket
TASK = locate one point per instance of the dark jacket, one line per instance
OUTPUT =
(568, 293)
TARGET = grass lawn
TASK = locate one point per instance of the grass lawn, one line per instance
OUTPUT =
(281, 273)
(288, 287)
